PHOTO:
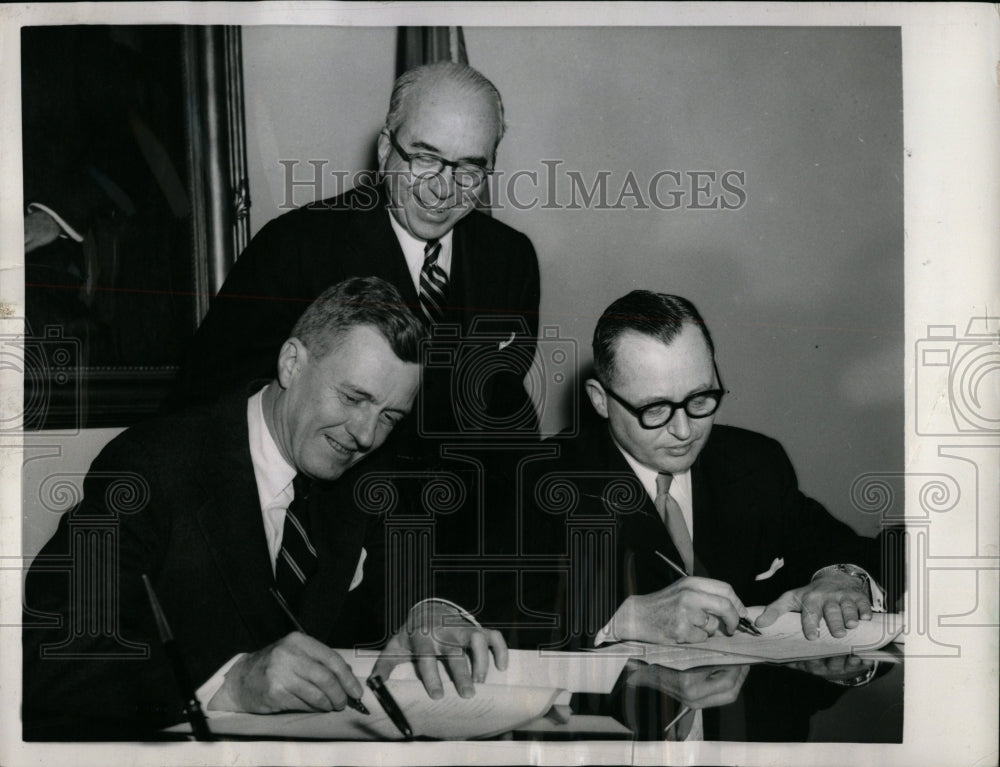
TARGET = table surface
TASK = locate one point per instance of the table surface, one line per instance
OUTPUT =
(789, 703)
(626, 699)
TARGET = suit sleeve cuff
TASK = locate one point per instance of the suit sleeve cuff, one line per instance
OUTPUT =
(207, 691)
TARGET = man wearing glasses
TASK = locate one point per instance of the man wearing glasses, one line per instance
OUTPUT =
(418, 228)
(677, 524)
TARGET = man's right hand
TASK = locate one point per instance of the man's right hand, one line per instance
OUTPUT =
(689, 610)
(296, 673)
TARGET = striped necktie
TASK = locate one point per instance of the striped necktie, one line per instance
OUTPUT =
(433, 284)
(297, 557)
(672, 516)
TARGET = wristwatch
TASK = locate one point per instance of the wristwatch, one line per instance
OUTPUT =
(855, 572)
(875, 595)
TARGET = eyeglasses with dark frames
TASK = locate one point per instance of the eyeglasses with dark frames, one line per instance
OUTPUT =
(701, 404)
(467, 175)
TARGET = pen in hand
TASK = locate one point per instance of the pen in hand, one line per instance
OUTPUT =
(354, 703)
(392, 708)
(744, 625)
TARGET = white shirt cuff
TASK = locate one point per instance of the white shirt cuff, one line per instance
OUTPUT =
(67, 229)
(207, 691)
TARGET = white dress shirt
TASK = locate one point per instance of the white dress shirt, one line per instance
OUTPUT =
(273, 473)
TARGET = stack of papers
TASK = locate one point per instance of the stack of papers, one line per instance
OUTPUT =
(782, 641)
(495, 709)
(536, 680)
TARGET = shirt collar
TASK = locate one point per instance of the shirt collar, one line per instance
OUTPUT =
(680, 487)
(273, 473)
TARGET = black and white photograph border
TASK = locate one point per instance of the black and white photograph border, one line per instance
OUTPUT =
(945, 349)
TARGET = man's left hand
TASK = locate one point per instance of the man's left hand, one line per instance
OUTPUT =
(436, 630)
(837, 598)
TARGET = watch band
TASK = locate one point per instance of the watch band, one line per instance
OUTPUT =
(875, 594)
(855, 572)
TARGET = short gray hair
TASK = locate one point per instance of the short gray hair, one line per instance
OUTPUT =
(440, 72)
(358, 301)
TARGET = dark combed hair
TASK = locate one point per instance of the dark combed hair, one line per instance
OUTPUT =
(361, 301)
(659, 315)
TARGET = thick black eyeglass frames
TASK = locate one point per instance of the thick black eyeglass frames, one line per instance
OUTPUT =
(700, 404)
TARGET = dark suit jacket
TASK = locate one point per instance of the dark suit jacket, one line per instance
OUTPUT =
(473, 380)
(176, 499)
(590, 509)
(493, 292)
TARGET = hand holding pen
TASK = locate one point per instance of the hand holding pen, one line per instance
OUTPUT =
(354, 702)
(296, 673)
(744, 623)
(689, 610)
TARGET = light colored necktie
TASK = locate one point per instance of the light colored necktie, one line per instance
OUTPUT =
(672, 516)
(433, 283)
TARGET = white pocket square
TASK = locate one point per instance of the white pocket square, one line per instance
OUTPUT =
(776, 565)
(359, 572)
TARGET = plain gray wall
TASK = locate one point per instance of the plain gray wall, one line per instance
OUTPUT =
(802, 285)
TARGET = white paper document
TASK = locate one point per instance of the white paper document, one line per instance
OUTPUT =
(582, 671)
(782, 641)
(493, 710)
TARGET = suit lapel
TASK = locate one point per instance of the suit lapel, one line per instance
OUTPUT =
(464, 298)
(338, 534)
(231, 521)
(373, 234)
(707, 527)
